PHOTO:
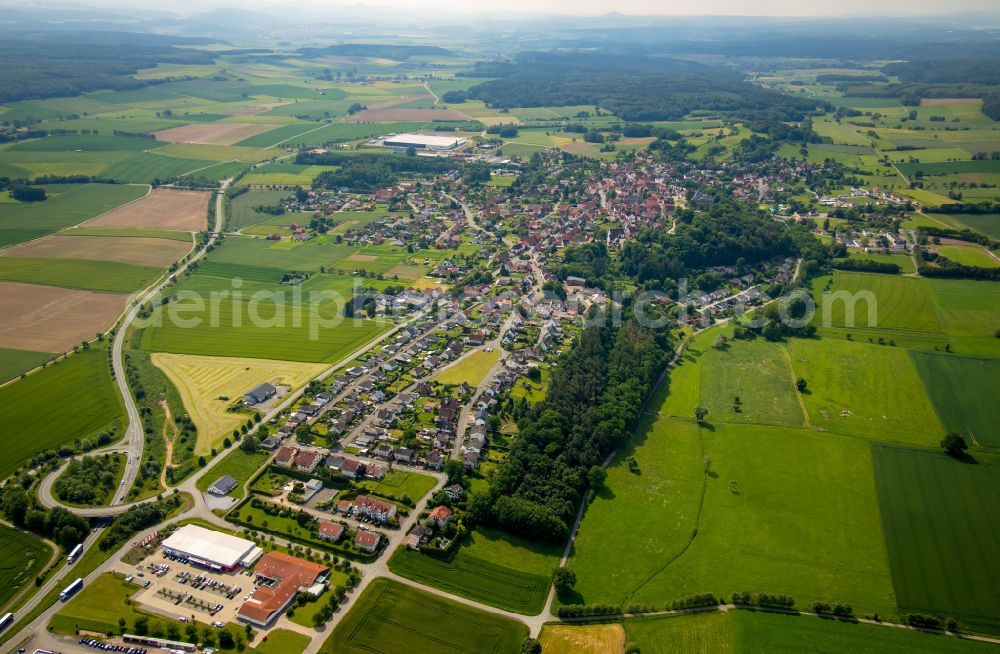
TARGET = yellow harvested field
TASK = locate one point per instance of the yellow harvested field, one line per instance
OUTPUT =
(585, 639)
(203, 381)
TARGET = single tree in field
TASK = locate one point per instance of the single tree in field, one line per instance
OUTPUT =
(563, 580)
(800, 384)
(596, 476)
(954, 445)
(699, 414)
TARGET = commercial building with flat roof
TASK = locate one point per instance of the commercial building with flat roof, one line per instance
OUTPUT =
(424, 141)
(212, 549)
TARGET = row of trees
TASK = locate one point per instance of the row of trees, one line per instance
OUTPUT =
(56, 524)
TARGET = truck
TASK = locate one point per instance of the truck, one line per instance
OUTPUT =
(75, 554)
(6, 620)
(71, 590)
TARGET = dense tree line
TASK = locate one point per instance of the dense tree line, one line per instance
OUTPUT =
(44, 65)
(863, 265)
(593, 401)
(958, 70)
(58, 524)
(632, 88)
(370, 171)
(135, 520)
(87, 480)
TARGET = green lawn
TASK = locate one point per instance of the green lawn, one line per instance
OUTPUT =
(859, 389)
(784, 511)
(390, 617)
(83, 274)
(490, 567)
(71, 204)
(71, 399)
(243, 206)
(968, 255)
(282, 641)
(303, 614)
(940, 518)
(744, 632)
(22, 557)
(964, 392)
(470, 370)
(398, 483)
(239, 464)
(758, 373)
(904, 261)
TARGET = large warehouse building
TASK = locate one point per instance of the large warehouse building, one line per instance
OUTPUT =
(424, 141)
(212, 549)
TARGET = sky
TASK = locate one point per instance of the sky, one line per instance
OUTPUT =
(799, 8)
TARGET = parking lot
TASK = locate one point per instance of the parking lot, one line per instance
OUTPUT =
(180, 590)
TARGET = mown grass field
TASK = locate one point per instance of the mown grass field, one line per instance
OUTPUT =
(968, 312)
(83, 274)
(897, 303)
(860, 389)
(238, 464)
(69, 205)
(490, 567)
(744, 632)
(243, 206)
(389, 617)
(282, 641)
(275, 336)
(968, 255)
(803, 523)
(470, 370)
(964, 391)
(399, 482)
(758, 373)
(22, 557)
(904, 262)
(71, 399)
(940, 518)
(210, 385)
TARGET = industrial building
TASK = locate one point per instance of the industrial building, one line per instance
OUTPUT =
(423, 141)
(282, 577)
(211, 549)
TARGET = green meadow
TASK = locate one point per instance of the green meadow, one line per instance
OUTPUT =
(490, 567)
(84, 274)
(389, 617)
(15, 362)
(69, 400)
(964, 391)
(940, 518)
(746, 632)
(22, 557)
(69, 205)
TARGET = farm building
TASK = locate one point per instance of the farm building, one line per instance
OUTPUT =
(259, 393)
(423, 141)
(212, 549)
(222, 486)
(283, 577)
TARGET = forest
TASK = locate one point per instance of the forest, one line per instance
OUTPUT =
(33, 66)
(596, 394)
(365, 172)
(632, 88)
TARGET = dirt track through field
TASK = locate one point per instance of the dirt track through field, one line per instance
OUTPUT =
(51, 319)
(162, 209)
(168, 422)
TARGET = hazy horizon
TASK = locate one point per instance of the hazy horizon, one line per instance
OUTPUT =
(635, 8)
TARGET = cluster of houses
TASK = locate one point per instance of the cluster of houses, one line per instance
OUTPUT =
(868, 240)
